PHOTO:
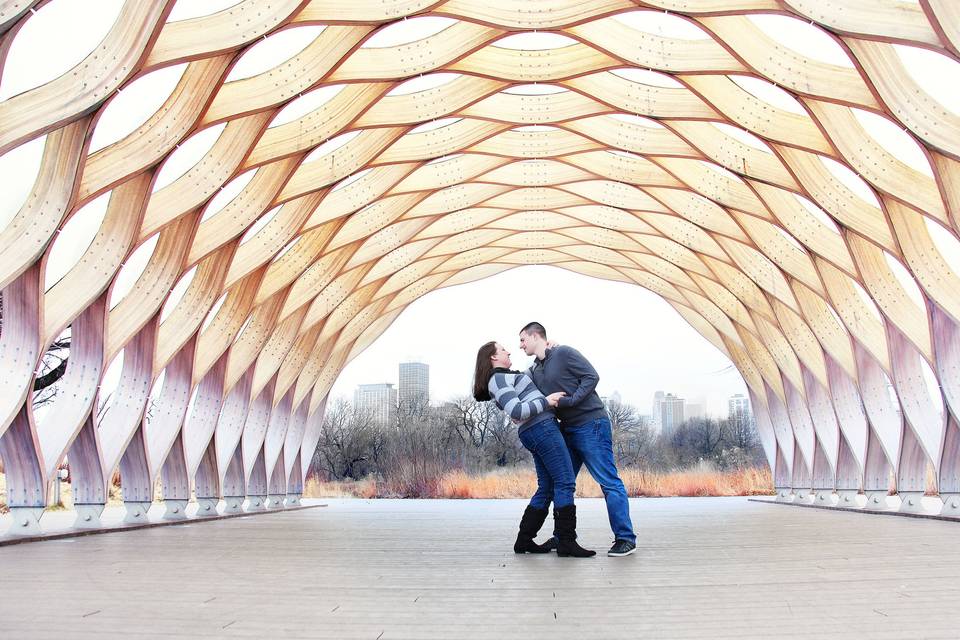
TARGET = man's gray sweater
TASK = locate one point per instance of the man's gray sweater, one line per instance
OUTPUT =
(565, 369)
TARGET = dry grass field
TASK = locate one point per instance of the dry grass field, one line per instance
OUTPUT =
(521, 483)
(510, 483)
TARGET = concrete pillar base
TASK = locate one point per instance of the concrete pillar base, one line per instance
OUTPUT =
(233, 504)
(951, 505)
(847, 498)
(912, 502)
(275, 501)
(256, 503)
(207, 507)
(136, 512)
(293, 500)
(175, 510)
(825, 498)
(785, 494)
(877, 501)
(25, 521)
(88, 516)
(803, 494)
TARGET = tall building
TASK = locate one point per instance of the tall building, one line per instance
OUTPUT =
(671, 413)
(614, 398)
(414, 384)
(693, 410)
(738, 406)
(380, 400)
(655, 414)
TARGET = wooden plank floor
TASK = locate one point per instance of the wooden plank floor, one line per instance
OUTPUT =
(391, 569)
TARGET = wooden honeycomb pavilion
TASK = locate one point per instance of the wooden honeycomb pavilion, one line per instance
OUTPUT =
(814, 256)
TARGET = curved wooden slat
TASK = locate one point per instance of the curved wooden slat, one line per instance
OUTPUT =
(90, 82)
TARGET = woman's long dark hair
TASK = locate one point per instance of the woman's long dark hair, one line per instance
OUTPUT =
(481, 375)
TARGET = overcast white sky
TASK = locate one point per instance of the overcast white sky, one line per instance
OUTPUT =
(635, 340)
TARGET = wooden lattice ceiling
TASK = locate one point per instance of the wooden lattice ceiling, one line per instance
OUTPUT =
(684, 182)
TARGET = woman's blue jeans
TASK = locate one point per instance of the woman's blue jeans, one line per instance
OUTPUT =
(555, 479)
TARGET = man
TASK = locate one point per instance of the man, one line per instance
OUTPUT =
(585, 424)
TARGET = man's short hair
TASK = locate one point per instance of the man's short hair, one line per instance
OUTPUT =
(535, 327)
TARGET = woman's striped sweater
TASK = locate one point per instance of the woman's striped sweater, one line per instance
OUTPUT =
(515, 393)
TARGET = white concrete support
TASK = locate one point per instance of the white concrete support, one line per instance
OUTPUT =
(802, 480)
(175, 483)
(950, 471)
(257, 490)
(854, 430)
(229, 454)
(291, 451)
(25, 521)
(946, 337)
(877, 500)
(877, 474)
(207, 507)
(136, 511)
(911, 502)
(824, 477)
(206, 480)
(886, 425)
(135, 480)
(233, 504)
(164, 434)
(847, 498)
(175, 509)
(925, 421)
(234, 492)
(273, 452)
(87, 480)
(781, 479)
(88, 516)
(849, 475)
(825, 498)
(199, 447)
(951, 505)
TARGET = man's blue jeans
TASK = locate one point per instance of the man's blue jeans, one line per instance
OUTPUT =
(591, 444)
(555, 478)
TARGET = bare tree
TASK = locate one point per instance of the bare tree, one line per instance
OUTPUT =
(632, 437)
(348, 438)
(503, 442)
(53, 366)
(742, 431)
(473, 420)
(697, 439)
(414, 406)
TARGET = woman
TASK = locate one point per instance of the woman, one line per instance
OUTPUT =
(515, 393)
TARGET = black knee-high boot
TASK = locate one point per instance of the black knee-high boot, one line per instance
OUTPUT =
(530, 525)
(566, 527)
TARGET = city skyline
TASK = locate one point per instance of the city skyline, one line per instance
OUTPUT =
(413, 384)
(637, 342)
(378, 399)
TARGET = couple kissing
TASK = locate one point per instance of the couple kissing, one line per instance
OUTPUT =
(563, 424)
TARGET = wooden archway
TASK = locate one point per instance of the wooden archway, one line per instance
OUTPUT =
(794, 241)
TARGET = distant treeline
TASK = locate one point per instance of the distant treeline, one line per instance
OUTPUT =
(421, 443)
